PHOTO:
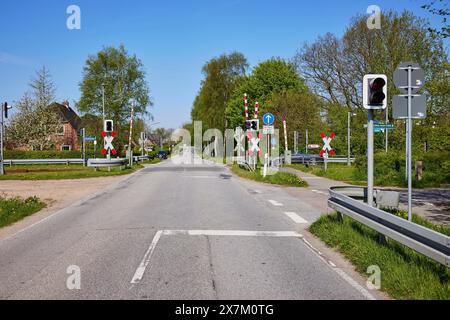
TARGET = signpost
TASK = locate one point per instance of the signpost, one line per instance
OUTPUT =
(326, 147)
(268, 129)
(409, 78)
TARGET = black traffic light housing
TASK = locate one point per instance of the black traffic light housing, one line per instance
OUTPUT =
(252, 124)
(5, 109)
(109, 126)
(375, 91)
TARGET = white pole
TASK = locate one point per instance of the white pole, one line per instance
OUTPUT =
(409, 143)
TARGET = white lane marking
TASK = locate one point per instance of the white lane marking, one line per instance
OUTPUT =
(139, 274)
(340, 272)
(295, 217)
(146, 260)
(200, 177)
(236, 233)
(320, 192)
(275, 203)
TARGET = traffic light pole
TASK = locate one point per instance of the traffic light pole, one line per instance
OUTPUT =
(370, 158)
(409, 143)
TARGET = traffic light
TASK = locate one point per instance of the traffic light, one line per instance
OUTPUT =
(109, 126)
(254, 125)
(5, 109)
(248, 124)
(375, 91)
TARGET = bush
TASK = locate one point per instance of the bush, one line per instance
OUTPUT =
(390, 168)
(13, 155)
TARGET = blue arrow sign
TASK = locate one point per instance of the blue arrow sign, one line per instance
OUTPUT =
(269, 119)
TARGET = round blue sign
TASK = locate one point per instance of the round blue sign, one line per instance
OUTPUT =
(269, 119)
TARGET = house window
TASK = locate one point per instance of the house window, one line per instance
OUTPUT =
(66, 148)
(61, 130)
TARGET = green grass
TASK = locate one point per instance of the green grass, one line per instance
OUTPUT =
(405, 274)
(339, 172)
(351, 175)
(280, 178)
(59, 172)
(15, 209)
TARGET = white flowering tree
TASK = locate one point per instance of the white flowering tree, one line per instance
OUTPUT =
(36, 124)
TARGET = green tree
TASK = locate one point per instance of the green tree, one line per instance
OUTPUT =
(334, 67)
(123, 77)
(36, 124)
(221, 76)
(267, 79)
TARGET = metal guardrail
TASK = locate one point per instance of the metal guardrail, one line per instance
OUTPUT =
(423, 240)
(140, 158)
(312, 160)
(42, 161)
(104, 163)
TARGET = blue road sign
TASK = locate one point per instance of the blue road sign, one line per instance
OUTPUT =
(269, 119)
(90, 138)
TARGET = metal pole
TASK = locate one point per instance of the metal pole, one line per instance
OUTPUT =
(370, 158)
(84, 146)
(387, 131)
(348, 139)
(130, 149)
(307, 140)
(409, 143)
(103, 101)
(2, 171)
(295, 142)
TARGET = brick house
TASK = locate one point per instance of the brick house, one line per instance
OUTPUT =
(67, 137)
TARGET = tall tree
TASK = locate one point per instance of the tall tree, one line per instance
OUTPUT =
(123, 77)
(36, 124)
(439, 8)
(220, 78)
(268, 78)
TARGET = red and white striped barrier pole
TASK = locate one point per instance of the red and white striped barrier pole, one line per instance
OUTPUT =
(247, 118)
(256, 109)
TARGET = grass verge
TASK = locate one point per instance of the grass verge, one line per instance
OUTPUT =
(335, 171)
(59, 172)
(405, 274)
(15, 209)
(280, 178)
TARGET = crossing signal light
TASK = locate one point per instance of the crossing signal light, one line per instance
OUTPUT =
(5, 109)
(109, 126)
(254, 125)
(375, 91)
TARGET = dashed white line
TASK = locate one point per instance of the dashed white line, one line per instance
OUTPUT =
(146, 260)
(275, 203)
(320, 192)
(296, 218)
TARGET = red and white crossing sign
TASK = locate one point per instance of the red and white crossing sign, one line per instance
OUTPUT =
(254, 144)
(327, 145)
(108, 139)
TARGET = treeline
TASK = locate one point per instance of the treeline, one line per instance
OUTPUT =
(322, 83)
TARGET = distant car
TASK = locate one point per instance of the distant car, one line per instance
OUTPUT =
(308, 159)
(162, 155)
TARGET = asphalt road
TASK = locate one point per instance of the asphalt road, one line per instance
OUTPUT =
(178, 232)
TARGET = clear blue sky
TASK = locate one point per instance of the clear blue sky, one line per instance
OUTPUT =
(172, 38)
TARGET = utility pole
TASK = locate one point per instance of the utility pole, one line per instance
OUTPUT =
(349, 137)
(103, 101)
(130, 149)
(370, 158)
(307, 140)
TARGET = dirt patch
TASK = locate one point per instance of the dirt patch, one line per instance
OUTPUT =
(57, 194)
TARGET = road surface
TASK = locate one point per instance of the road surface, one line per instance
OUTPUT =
(179, 232)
